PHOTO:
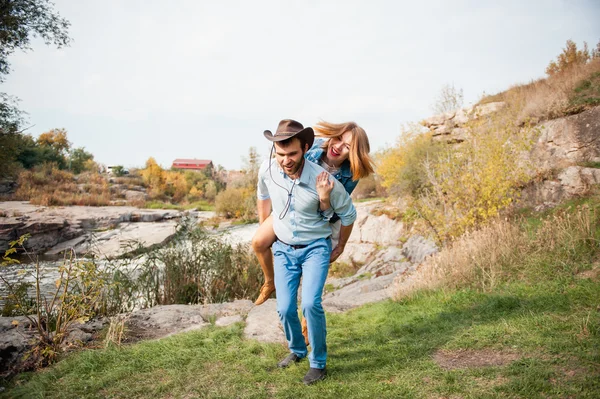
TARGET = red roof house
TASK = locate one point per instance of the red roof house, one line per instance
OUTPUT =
(192, 164)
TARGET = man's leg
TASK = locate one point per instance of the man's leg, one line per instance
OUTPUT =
(287, 278)
(314, 270)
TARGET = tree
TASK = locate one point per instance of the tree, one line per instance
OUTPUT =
(569, 57)
(20, 21)
(251, 167)
(449, 99)
(57, 139)
(78, 160)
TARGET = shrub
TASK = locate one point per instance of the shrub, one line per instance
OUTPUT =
(196, 267)
(236, 203)
(47, 185)
(469, 184)
(401, 168)
(562, 244)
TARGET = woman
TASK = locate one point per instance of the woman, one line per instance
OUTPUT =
(342, 149)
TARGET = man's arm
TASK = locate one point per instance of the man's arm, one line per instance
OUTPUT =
(345, 232)
(264, 209)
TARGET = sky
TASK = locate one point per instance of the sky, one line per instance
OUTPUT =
(203, 79)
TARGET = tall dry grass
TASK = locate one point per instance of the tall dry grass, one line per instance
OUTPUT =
(49, 186)
(564, 243)
(547, 98)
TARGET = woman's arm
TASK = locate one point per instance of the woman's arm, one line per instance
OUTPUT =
(324, 187)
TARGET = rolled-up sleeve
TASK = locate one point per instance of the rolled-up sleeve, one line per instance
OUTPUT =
(342, 204)
(262, 191)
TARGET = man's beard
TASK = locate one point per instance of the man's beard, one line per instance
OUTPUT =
(295, 169)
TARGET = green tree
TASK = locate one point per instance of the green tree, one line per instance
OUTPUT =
(78, 160)
(20, 21)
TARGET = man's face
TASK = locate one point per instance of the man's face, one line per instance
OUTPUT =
(290, 157)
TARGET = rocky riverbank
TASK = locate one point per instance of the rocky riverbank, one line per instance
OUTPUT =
(103, 231)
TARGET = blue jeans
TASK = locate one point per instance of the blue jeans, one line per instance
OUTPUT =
(311, 263)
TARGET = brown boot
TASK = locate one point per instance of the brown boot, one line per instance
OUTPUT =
(265, 292)
(305, 330)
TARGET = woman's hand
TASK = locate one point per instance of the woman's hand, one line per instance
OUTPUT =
(324, 186)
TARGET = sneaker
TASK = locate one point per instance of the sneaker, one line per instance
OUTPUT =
(314, 375)
(265, 292)
(289, 359)
(305, 330)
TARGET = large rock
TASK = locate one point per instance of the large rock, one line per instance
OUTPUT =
(162, 321)
(262, 323)
(55, 229)
(568, 141)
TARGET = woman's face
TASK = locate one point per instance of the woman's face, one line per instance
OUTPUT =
(338, 148)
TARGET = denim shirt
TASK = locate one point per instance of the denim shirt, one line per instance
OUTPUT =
(344, 175)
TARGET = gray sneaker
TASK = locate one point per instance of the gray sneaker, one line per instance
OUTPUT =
(291, 358)
(314, 375)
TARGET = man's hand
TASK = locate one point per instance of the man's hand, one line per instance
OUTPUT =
(337, 251)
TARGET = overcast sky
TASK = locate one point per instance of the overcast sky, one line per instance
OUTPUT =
(203, 79)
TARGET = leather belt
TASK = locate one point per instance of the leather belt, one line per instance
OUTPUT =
(299, 246)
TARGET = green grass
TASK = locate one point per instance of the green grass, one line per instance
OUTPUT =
(586, 94)
(198, 205)
(385, 350)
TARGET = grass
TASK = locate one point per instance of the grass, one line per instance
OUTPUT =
(569, 92)
(198, 205)
(519, 320)
(550, 332)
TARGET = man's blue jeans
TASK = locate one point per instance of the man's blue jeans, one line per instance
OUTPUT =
(311, 263)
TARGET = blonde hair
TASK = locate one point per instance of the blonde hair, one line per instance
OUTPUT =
(361, 164)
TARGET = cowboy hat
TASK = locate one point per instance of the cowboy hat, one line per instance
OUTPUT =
(289, 128)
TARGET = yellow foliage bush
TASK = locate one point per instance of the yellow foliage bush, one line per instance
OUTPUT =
(473, 182)
(236, 203)
(401, 167)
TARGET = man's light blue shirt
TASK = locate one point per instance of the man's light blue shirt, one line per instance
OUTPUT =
(303, 223)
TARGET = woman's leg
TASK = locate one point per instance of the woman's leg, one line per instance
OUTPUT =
(261, 243)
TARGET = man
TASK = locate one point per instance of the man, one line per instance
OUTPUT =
(288, 184)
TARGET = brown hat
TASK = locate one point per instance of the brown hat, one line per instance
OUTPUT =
(289, 128)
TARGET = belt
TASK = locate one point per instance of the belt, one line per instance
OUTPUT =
(299, 246)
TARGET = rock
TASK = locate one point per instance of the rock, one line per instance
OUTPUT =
(228, 320)
(435, 120)
(461, 117)
(568, 141)
(376, 229)
(57, 249)
(486, 109)
(161, 321)
(165, 320)
(357, 252)
(577, 180)
(133, 195)
(417, 248)
(262, 323)
(77, 337)
(14, 341)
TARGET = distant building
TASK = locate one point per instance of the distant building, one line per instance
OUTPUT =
(192, 164)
